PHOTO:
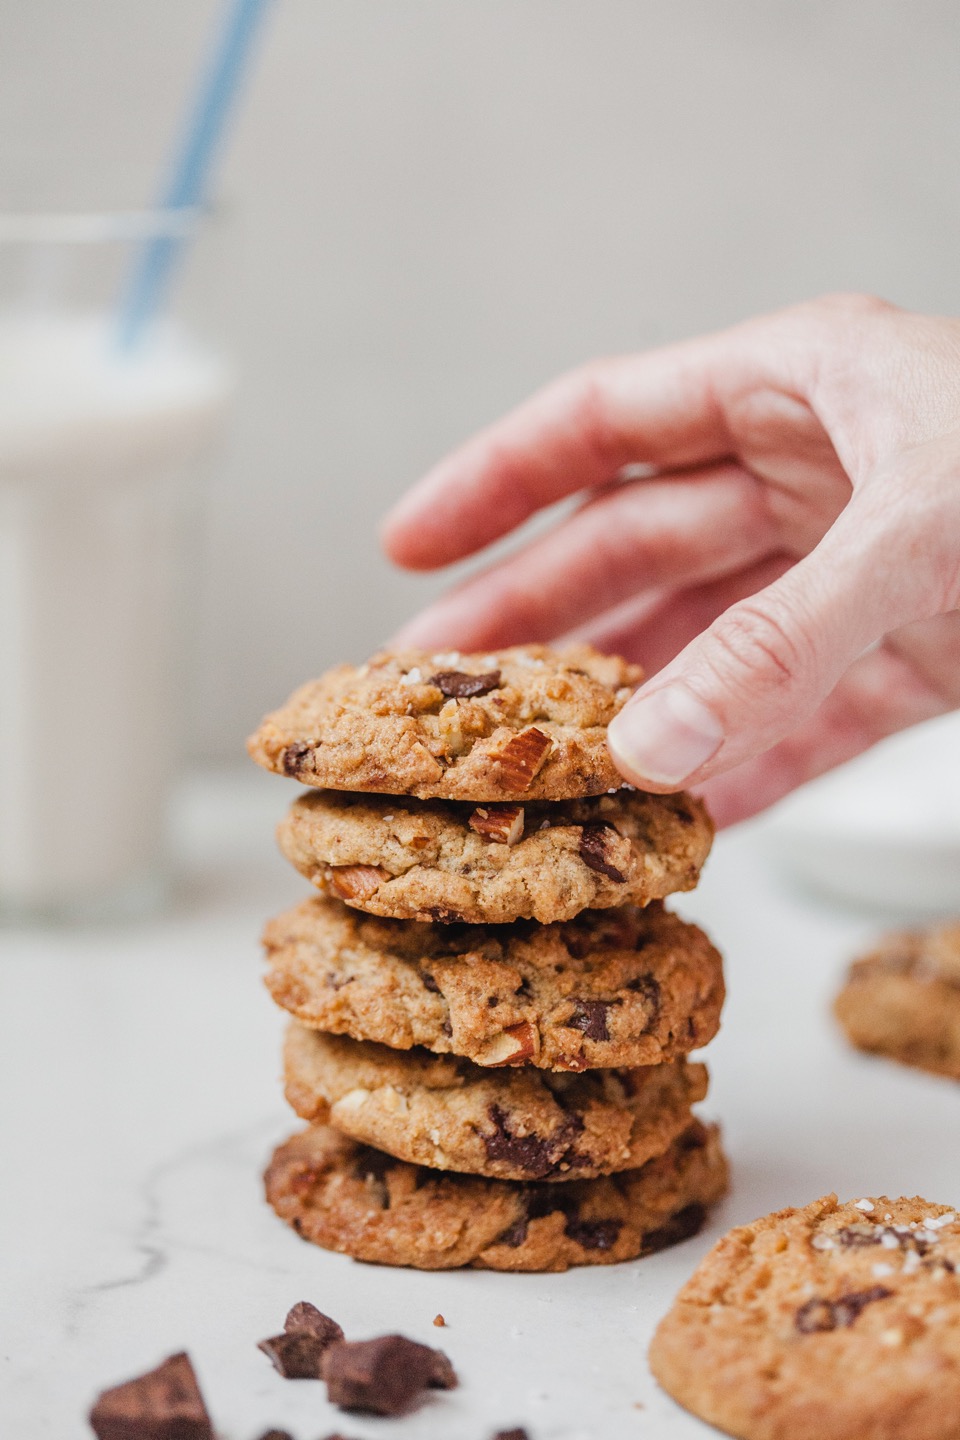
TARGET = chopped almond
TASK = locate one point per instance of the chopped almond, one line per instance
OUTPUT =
(523, 756)
(500, 823)
(513, 1046)
(356, 883)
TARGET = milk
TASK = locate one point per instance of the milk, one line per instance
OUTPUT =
(100, 458)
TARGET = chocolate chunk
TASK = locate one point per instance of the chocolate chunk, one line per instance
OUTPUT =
(681, 1225)
(533, 1154)
(517, 1434)
(383, 1376)
(305, 1318)
(649, 988)
(593, 1234)
(276, 1435)
(593, 845)
(590, 1018)
(430, 984)
(515, 1234)
(291, 761)
(164, 1404)
(818, 1314)
(295, 1356)
(459, 686)
(373, 1167)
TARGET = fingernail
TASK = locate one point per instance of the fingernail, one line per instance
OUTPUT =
(665, 736)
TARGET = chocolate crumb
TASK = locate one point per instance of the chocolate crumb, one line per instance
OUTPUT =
(590, 1018)
(439, 1321)
(384, 1375)
(517, 1434)
(819, 1314)
(593, 842)
(457, 685)
(163, 1404)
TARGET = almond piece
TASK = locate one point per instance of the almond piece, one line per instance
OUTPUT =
(523, 756)
(356, 883)
(500, 823)
(513, 1046)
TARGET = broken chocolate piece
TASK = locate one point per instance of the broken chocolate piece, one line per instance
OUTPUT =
(295, 1356)
(458, 685)
(593, 1234)
(523, 756)
(517, 1434)
(590, 1018)
(384, 1375)
(164, 1404)
(818, 1314)
(594, 842)
(533, 1154)
(276, 1435)
(305, 1316)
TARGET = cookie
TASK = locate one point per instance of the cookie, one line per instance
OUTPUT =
(522, 1124)
(903, 1000)
(611, 988)
(440, 860)
(526, 723)
(832, 1322)
(347, 1197)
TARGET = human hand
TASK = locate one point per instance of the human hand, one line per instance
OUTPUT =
(788, 572)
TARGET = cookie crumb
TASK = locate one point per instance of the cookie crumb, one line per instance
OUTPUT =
(439, 1321)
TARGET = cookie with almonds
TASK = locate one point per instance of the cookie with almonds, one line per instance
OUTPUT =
(363, 1203)
(441, 860)
(519, 1124)
(611, 988)
(903, 1000)
(526, 723)
(826, 1323)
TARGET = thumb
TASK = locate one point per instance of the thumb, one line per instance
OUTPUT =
(766, 663)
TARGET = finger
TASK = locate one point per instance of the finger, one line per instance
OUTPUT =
(575, 434)
(913, 676)
(654, 627)
(641, 535)
(766, 663)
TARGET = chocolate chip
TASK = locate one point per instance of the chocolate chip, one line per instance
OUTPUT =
(515, 1234)
(164, 1404)
(459, 686)
(306, 1317)
(533, 1154)
(649, 988)
(593, 844)
(383, 1376)
(593, 1234)
(590, 1018)
(681, 1225)
(818, 1314)
(430, 984)
(373, 1167)
(443, 916)
(292, 758)
(295, 1356)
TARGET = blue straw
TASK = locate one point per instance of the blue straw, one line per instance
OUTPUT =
(188, 183)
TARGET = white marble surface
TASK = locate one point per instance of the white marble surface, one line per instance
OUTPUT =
(141, 1098)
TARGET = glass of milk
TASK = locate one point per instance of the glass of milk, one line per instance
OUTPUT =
(101, 461)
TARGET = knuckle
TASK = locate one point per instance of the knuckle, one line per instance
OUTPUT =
(757, 647)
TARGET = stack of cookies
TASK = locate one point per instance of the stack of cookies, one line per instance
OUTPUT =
(493, 1010)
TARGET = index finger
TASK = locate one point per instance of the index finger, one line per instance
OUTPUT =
(659, 408)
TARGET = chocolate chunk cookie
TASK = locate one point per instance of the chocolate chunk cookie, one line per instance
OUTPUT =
(827, 1323)
(522, 1124)
(611, 988)
(526, 723)
(903, 1000)
(439, 860)
(347, 1197)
